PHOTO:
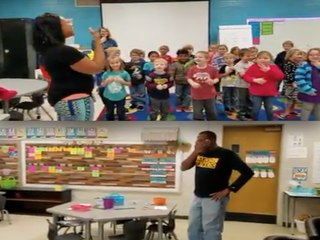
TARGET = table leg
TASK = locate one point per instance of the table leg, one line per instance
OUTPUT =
(160, 229)
(100, 230)
(87, 230)
(284, 210)
(293, 210)
(5, 106)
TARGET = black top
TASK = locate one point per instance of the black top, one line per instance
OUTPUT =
(213, 171)
(136, 69)
(280, 59)
(64, 80)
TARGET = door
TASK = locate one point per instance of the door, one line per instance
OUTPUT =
(259, 195)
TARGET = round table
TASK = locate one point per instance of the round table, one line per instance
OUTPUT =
(23, 86)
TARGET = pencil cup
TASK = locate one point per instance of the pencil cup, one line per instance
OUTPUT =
(108, 203)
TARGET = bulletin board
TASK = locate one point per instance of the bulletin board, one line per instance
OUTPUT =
(9, 161)
(133, 166)
(270, 33)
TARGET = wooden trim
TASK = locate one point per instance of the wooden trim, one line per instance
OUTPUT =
(147, 1)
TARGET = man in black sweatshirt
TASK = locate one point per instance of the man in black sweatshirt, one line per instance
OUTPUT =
(214, 166)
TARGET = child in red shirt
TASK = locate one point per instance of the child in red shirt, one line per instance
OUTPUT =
(164, 49)
(263, 77)
(202, 78)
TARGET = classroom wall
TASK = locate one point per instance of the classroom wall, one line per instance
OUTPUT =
(188, 132)
(83, 17)
(236, 12)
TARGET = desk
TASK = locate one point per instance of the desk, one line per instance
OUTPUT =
(102, 216)
(4, 116)
(289, 206)
(23, 86)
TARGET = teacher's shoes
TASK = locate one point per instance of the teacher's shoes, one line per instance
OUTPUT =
(6, 94)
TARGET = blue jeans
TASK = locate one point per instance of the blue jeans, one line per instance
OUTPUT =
(206, 218)
(257, 103)
(183, 95)
(229, 98)
(138, 94)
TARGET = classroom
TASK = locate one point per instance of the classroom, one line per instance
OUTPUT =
(92, 179)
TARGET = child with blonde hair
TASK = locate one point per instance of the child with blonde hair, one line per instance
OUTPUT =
(228, 83)
(293, 58)
(202, 79)
(164, 49)
(158, 83)
(263, 77)
(114, 80)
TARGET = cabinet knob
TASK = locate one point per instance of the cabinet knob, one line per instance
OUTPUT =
(6, 51)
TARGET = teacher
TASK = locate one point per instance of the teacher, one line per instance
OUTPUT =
(69, 69)
(105, 39)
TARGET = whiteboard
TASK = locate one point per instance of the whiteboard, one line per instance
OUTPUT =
(304, 35)
(235, 35)
(150, 25)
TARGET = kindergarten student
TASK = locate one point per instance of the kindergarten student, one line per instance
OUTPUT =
(137, 89)
(244, 99)
(228, 83)
(164, 49)
(158, 83)
(293, 58)
(114, 80)
(202, 78)
(263, 77)
(178, 71)
(148, 66)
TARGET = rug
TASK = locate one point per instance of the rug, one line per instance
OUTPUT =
(278, 108)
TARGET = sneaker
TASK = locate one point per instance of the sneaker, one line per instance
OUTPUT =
(282, 117)
(242, 118)
(187, 109)
(178, 109)
(294, 113)
(140, 108)
(132, 106)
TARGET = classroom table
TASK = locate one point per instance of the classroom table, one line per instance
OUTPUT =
(132, 209)
(289, 206)
(23, 86)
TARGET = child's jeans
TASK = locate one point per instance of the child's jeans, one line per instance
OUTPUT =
(244, 102)
(257, 103)
(138, 94)
(119, 106)
(208, 105)
(229, 98)
(183, 95)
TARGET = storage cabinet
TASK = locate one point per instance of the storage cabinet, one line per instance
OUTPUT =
(34, 200)
(17, 56)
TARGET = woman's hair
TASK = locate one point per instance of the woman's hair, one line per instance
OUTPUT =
(106, 29)
(47, 32)
(234, 49)
(291, 52)
(112, 59)
(309, 51)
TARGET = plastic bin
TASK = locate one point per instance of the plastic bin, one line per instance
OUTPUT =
(300, 225)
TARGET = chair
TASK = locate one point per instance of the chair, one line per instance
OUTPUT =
(68, 223)
(132, 230)
(37, 100)
(168, 227)
(3, 211)
(280, 237)
(53, 234)
(313, 228)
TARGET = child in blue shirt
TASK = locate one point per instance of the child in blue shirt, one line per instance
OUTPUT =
(114, 80)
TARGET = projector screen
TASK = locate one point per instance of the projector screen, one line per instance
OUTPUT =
(147, 26)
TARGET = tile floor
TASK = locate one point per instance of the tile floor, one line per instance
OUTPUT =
(26, 227)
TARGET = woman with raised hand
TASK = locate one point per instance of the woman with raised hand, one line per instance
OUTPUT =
(69, 69)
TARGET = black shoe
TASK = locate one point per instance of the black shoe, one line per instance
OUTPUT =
(140, 108)
(133, 106)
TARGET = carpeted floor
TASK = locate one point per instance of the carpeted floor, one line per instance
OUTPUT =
(279, 104)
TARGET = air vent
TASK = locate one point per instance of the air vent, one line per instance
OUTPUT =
(87, 3)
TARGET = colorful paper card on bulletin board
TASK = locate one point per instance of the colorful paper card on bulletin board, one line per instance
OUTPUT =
(9, 165)
(120, 165)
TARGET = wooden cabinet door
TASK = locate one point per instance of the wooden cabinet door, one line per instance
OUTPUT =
(259, 195)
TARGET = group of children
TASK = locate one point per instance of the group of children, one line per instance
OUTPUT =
(242, 79)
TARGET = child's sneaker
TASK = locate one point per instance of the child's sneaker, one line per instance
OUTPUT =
(187, 109)
(140, 108)
(133, 106)
(178, 109)
(282, 117)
